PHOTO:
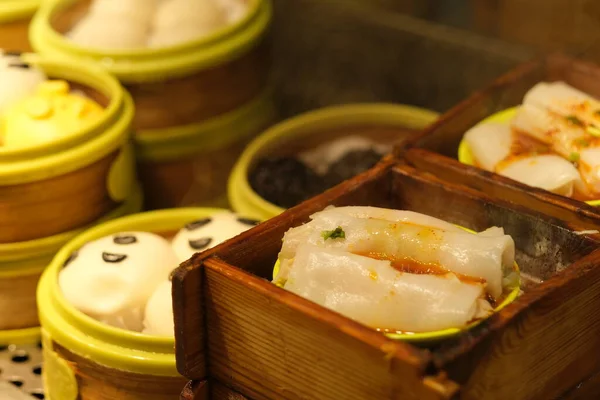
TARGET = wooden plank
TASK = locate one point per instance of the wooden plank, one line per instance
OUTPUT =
(268, 343)
(576, 213)
(588, 389)
(188, 313)
(541, 346)
(195, 391)
(209, 390)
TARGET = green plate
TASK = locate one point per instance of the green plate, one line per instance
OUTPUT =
(435, 336)
(464, 152)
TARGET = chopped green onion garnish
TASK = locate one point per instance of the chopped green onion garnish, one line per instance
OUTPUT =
(337, 233)
(593, 130)
(574, 157)
(574, 120)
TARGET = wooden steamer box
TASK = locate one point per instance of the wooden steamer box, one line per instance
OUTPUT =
(234, 326)
(209, 390)
(435, 150)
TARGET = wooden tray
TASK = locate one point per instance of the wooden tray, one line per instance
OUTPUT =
(209, 390)
(436, 148)
(233, 325)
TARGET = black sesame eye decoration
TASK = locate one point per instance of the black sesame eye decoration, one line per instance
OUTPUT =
(72, 257)
(248, 221)
(19, 65)
(200, 244)
(113, 257)
(124, 239)
(197, 224)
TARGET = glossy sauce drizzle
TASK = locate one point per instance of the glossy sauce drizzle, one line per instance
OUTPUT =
(411, 266)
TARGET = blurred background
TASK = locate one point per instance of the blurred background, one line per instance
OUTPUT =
(430, 53)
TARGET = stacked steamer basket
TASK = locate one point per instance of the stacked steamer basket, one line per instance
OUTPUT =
(197, 102)
(235, 328)
(89, 359)
(359, 133)
(50, 190)
(15, 16)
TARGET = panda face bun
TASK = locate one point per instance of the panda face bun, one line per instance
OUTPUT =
(111, 278)
(206, 233)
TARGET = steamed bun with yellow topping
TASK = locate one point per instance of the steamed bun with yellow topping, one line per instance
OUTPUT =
(52, 113)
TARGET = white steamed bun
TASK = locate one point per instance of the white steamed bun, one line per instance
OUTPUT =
(112, 278)
(158, 315)
(208, 232)
(17, 79)
(93, 31)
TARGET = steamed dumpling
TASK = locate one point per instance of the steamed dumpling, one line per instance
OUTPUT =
(205, 14)
(179, 21)
(101, 32)
(158, 314)
(208, 232)
(234, 9)
(176, 35)
(124, 11)
(112, 278)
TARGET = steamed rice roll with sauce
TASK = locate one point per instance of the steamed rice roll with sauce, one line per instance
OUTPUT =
(330, 213)
(552, 142)
(489, 144)
(376, 294)
(555, 131)
(548, 171)
(562, 99)
(568, 121)
(409, 246)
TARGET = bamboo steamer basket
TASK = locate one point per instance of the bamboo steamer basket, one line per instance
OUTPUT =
(21, 265)
(63, 185)
(179, 91)
(190, 165)
(384, 122)
(15, 16)
(85, 359)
